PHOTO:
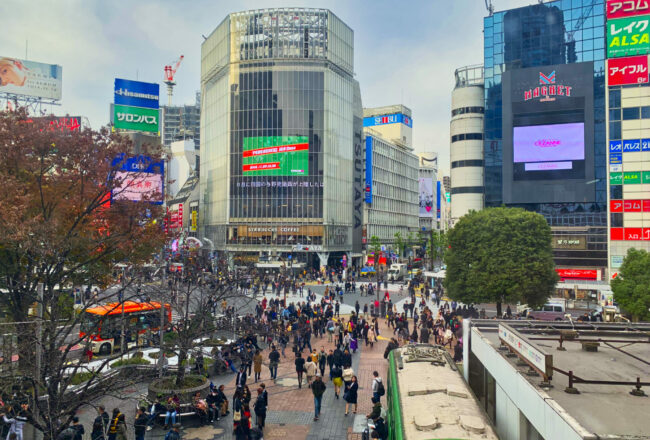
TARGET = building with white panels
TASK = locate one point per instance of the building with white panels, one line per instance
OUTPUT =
(466, 147)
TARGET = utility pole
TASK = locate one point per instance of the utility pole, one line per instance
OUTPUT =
(161, 327)
(39, 346)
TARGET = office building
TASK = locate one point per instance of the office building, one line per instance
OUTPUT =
(391, 174)
(182, 123)
(281, 152)
(628, 122)
(466, 147)
(544, 80)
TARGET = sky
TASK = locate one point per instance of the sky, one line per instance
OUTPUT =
(404, 51)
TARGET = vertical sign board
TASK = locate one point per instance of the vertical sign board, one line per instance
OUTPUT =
(438, 201)
(628, 36)
(629, 70)
(368, 189)
(537, 358)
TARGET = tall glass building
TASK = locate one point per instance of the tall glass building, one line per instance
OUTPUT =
(527, 46)
(281, 153)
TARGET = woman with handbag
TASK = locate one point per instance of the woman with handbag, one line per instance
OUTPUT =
(350, 395)
(237, 407)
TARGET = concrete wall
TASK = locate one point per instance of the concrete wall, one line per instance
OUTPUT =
(516, 396)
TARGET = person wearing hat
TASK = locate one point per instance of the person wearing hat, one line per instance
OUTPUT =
(318, 388)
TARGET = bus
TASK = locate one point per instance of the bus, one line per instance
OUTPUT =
(428, 398)
(102, 325)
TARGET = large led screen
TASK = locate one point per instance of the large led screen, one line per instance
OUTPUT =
(139, 186)
(540, 149)
(276, 156)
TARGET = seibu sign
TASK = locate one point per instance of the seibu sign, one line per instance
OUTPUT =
(548, 89)
(629, 70)
(627, 8)
(577, 274)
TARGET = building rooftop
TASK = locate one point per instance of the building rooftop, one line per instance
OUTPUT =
(606, 409)
(386, 110)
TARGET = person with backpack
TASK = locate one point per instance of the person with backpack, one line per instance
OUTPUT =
(117, 428)
(100, 424)
(378, 389)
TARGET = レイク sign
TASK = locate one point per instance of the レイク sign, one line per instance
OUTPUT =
(628, 36)
(627, 8)
(548, 89)
(630, 70)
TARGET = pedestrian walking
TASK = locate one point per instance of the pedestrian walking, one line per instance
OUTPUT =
(300, 368)
(100, 424)
(318, 389)
(322, 361)
(377, 386)
(274, 361)
(257, 365)
(350, 395)
(337, 379)
(140, 424)
(260, 408)
(310, 370)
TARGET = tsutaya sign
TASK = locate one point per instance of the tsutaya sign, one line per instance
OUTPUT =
(535, 357)
(547, 89)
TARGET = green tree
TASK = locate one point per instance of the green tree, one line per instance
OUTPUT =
(436, 246)
(632, 285)
(500, 255)
(400, 243)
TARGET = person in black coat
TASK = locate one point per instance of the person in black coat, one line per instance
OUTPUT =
(350, 396)
(300, 367)
(240, 381)
(260, 408)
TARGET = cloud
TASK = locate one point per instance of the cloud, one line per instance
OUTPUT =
(405, 52)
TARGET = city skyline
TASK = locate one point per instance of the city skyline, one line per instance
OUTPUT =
(402, 56)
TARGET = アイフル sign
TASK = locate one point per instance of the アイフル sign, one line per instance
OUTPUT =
(629, 70)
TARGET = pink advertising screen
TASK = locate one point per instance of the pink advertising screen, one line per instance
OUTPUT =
(138, 186)
(549, 143)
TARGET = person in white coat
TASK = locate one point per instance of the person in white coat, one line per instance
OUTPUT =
(16, 423)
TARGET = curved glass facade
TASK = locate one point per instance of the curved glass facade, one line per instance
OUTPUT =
(278, 131)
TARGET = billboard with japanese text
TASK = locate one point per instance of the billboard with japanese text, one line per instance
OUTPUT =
(628, 36)
(29, 78)
(135, 118)
(276, 156)
(628, 70)
(627, 8)
(138, 178)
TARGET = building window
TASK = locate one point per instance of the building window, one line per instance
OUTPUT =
(615, 114)
(467, 137)
(616, 192)
(614, 98)
(617, 219)
(465, 110)
(467, 163)
(615, 130)
(467, 190)
(645, 112)
(631, 113)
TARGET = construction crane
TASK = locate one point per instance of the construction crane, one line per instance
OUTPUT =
(170, 71)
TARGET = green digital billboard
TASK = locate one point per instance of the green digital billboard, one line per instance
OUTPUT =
(135, 118)
(628, 36)
(276, 156)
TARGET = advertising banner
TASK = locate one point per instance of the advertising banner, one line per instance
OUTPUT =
(426, 197)
(60, 123)
(368, 190)
(395, 118)
(578, 274)
(627, 8)
(549, 143)
(30, 78)
(438, 201)
(140, 177)
(276, 156)
(628, 36)
(136, 93)
(629, 70)
(135, 118)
